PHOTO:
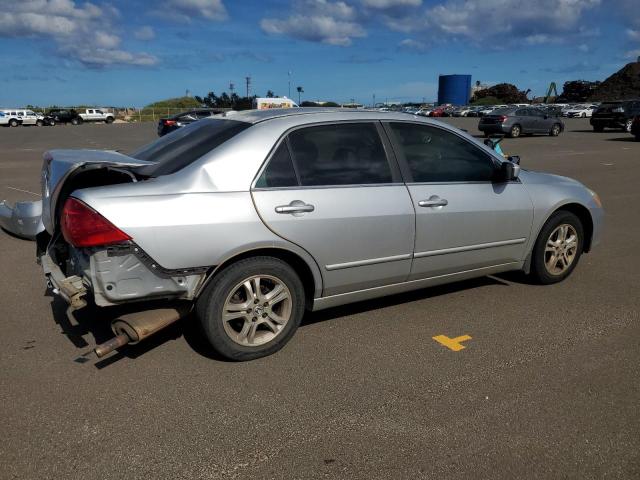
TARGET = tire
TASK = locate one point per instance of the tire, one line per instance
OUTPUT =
(485, 134)
(109, 120)
(543, 268)
(555, 130)
(598, 128)
(39, 123)
(584, 115)
(52, 122)
(13, 122)
(627, 126)
(637, 138)
(515, 131)
(75, 121)
(253, 333)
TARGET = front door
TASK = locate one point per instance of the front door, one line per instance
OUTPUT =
(464, 219)
(332, 190)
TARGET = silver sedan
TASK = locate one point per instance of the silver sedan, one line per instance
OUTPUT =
(247, 221)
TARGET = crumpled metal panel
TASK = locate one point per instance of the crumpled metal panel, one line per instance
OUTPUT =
(23, 220)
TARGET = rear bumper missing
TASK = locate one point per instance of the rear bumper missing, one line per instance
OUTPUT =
(115, 277)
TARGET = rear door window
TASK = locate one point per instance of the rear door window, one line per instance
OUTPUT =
(340, 154)
(280, 171)
(184, 146)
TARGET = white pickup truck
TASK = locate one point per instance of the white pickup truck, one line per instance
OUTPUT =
(96, 115)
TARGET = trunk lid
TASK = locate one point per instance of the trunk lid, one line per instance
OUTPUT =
(60, 166)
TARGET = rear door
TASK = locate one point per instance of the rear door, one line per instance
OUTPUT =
(464, 220)
(333, 190)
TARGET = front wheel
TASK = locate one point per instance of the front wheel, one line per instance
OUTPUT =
(627, 126)
(13, 122)
(75, 121)
(515, 131)
(252, 308)
(558, 248)
(555, 130)
(108, 120)
(39, 123)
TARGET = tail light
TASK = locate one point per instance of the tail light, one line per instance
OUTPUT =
(169, 123)
(502, 118)
(82, 226)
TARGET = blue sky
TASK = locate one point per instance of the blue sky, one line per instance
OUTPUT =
(135, 52)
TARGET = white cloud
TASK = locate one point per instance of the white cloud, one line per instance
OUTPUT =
(533, 23)
(633, 34)
(410, 44)
(186, 10)
(145, 33)
(82, 32)
(317, 21)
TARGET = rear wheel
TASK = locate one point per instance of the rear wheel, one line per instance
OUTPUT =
(75, 121)
(39, 123)
(515, 131)
(252, 308)
(555, 130)
(558, 248)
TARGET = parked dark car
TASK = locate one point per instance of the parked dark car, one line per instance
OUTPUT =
(63, 116)
(515, 121)
(635, 127)
(617, 114)
(169, 124)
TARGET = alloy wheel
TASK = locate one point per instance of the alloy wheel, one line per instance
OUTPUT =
(257, 310)
(561, 249)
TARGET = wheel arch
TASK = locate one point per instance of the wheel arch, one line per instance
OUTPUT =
(309, 274)
(579, 211)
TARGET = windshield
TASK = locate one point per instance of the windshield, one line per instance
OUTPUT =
(184, 146)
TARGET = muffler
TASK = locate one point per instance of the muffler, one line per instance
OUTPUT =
(135, 327)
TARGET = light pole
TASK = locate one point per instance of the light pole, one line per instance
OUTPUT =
(289, 75)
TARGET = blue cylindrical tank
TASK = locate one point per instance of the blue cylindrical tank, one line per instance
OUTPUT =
(454, 89)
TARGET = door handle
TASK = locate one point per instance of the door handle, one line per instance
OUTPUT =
(296, 206)
(434, 201)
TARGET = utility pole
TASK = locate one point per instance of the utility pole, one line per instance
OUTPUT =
(248, 80)
(289, 74)
(232, 87)
(374, 101)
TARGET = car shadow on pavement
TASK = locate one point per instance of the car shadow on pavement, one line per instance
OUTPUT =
(93, 321)
(423, 294)
(622, 139)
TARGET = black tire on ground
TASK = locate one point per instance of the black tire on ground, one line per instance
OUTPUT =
(637, 138)
(39, 123)
(515, 131)
(13, 122)
(210, 306)
(555, 130)
(52, 122)
(109, 120)
(539, 270)
(598, 128)
(75, 121)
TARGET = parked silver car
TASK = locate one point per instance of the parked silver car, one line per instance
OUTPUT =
(516, 121)
(254, 218)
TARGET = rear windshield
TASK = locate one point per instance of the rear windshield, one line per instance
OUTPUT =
(184, 146)
(503, 111)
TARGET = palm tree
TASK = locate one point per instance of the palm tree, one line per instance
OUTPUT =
(300, 90)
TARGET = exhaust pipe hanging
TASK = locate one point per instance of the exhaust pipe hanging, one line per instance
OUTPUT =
(135, 327)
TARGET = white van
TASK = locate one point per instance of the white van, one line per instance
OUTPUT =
(22, 117)
(279, 102)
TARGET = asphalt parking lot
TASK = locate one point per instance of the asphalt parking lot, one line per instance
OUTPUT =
(548, 385)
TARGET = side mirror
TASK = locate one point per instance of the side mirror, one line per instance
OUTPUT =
(509, 171)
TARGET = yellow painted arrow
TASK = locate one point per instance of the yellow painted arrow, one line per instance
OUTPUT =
(452, 343)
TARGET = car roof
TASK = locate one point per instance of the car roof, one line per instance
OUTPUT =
(319, 114)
